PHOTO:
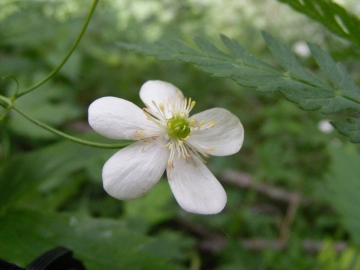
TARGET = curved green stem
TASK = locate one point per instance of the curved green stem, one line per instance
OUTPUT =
(67, 55)
(3, 115)
(16, 82)
(66, 136)
(7, 104)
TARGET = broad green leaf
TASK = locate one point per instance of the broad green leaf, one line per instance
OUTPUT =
(50, 105)
(98, 243)
(343, 182)
(172, 244)
(295, 82)
(330, 259)
(154, 207)
(22, 173)
(330, 14)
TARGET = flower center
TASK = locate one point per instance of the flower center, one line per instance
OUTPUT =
(178, 127)
(172, 118)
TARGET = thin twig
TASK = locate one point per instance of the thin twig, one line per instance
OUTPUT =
(215, 242)
(309, 245)
(246, 181)
(289, 218)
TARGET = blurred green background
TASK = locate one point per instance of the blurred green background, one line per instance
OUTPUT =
(292, 189)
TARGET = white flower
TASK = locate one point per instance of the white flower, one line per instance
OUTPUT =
(325, 126)
(166, 138)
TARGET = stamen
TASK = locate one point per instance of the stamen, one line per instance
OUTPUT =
(201, 123)
(205, 155)
(150, 117)
(175, 126)
(212, 124)
(139, 133)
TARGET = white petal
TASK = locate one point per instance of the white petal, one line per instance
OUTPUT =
(159, 91)
(117, 118)
(195, 188)
(225, 138)
(134, 170)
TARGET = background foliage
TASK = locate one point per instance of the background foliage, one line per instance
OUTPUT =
(293, 187)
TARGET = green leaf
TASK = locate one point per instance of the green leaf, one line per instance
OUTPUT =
(210, 61)
(289, 62)
(241, 54)
(295, 82)
(21, 174)
(49, 105)
(351, 129)
(330, 14)
(98, 243)
(153, 207)
(331, 259)
(172, 244)
(344, 185)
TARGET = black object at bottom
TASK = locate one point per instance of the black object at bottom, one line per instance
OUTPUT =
(59, 258)
(9, 266)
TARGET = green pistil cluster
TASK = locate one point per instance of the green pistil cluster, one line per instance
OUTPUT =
(178, 127)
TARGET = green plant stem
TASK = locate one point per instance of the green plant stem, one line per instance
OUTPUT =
(3, 115)
(52, 74)
(5, 102)
(66, 136)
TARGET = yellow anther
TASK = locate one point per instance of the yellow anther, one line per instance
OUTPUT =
(192, 105)
(212, 124)
(210, 148)
(161, 107)
(180, 143)
(201, 123)
(186, 138)
(139, 133)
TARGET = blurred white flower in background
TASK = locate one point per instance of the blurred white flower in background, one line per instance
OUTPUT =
(301, 49)
(325, 126)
